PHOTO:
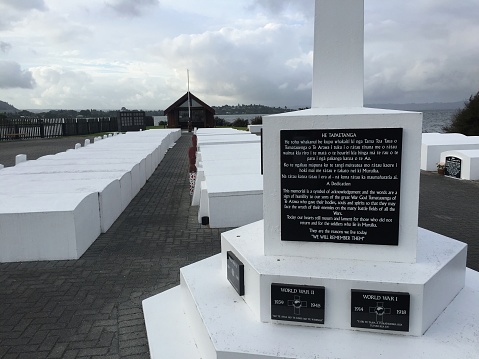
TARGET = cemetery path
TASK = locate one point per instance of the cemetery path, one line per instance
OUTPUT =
(450, 207)
(91, 308)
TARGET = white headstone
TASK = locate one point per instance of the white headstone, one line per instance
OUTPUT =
(20, 159)
(87, 142)
(1, 166)
(77, 146)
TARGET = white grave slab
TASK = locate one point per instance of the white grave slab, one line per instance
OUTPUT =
(433, 144)
(108, 193)
(232, 200)
(38, 227)
(469, 162)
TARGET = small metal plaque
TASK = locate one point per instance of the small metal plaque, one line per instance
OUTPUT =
(235, 272)
(380, 310)
(297, 303)
(452, 167)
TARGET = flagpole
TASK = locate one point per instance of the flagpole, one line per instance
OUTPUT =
(189, 101)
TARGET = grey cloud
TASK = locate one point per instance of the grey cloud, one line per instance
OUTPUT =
(26, 4)
(277, 7)
(252, 68)
(12, 76)
(5, 46)
(131, 8)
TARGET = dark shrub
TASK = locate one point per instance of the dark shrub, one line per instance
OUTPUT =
(466, 121)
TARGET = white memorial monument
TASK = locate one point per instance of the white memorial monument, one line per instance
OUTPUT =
(338, 268)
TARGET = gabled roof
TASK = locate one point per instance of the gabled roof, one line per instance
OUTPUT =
(182, 102)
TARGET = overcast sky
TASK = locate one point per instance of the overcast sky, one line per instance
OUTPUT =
(106, 54)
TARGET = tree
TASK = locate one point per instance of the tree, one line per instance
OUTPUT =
(466, 121)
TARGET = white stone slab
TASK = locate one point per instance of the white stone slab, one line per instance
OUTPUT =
(234, 200)
(44, 179)
(232, 167)
(204, 141)
(232, 331)
(20, 159)
(218, 131)
(433, 144)
(38, 227)
(343, 118)
(432, 282)
(255, 129)
(108, 192)
(138, 177)
(229, 151)
(469, 162)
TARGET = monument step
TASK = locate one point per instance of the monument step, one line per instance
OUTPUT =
(232, 330)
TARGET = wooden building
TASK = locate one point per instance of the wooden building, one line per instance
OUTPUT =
(131, 120)
(202, 115)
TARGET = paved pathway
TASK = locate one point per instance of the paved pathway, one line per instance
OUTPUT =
(91, 308)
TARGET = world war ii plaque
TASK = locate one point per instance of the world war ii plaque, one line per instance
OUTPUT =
(452, 167)
(235, 272)
(380, 310)
(297, 303)
(341, 185)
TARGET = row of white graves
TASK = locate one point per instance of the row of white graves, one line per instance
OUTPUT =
(338, 268)
(55, 207)
(457, 152)
(229, 183)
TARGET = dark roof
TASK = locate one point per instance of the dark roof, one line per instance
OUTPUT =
(184, 99)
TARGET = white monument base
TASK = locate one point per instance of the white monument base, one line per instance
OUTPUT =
(212, 321)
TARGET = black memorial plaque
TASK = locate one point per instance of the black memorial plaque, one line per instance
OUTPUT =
(341, 186)
(452, 167)
(235, 272)
(380, 310)
(297, 303)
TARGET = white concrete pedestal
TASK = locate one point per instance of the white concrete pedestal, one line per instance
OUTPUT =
(212, 321)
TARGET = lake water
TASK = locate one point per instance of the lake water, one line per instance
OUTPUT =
(433, 121)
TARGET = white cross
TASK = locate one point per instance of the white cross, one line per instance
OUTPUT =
(338, 67)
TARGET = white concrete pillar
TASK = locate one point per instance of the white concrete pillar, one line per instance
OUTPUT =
(20, 159)
(338, 66)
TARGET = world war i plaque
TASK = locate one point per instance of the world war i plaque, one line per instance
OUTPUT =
(380, 310)
(452, 167)
(297, 303)
(341, 185)
(235, 272)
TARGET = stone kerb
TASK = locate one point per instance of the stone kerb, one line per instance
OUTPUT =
(346, 118)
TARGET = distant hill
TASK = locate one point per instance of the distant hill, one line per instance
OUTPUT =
(436, 106)
(6, 107)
